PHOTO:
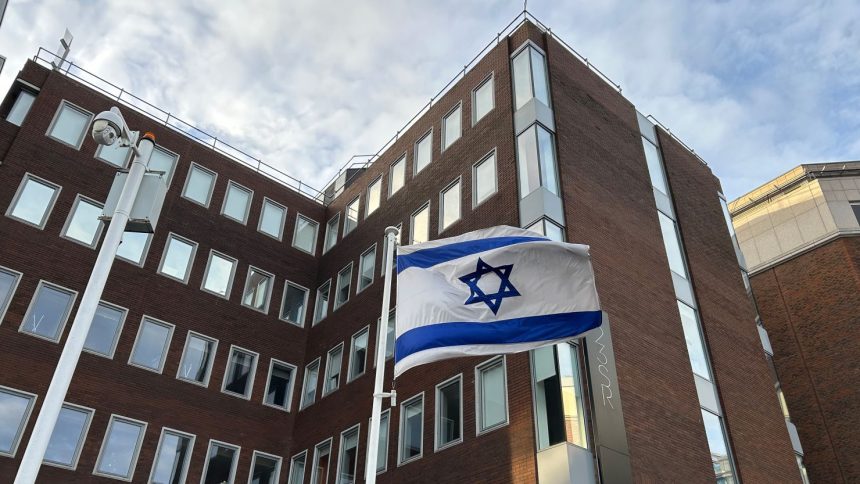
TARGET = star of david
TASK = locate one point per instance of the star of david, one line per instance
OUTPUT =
(492, 300)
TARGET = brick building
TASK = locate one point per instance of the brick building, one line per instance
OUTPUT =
(237, 341)
(799, 236)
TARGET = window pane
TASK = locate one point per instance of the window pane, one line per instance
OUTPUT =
(421, 226)
(855, 207)
(48, 312)
(719, 450)
(571, 394)
(449, 402)
(68, 435)
(309, 387)
(483, 100)
(8, 282)
(382, 449)
(331, 230)
(197, 359)
(452, 127)
(69, 125)
(411, 424)
(178, 257)
(114, 154)
(522, 78)
(693, 337)
(348, 457)
(306, 234)
(151, 345)
(240, 372)
(293, 308)
(655, 166)
(280, 381)
(423, 152)
(389, 335)
(450, 205)
(33, 201)
(351, 217)
(119, 450)
(554, 232)
(104, 330)
(374, 196)
(219, 274)
(220, 464)
(673, 247)
(236, 202)
(297, 470)
(14, 410)
(493, 395)
(547, 160)
(540, 78)
(21, 107)
(199, 185)
(272, 219)
(332, 370)
(266, 470)
(358, 354)
(366, 268)
(257, 290)
(344, 280)
(398, 175)
(319, 472)
(321, 308)
(172, 459)
(527, 161)
(133, 246)
(84, 223)
(162, 160)
(485, 179)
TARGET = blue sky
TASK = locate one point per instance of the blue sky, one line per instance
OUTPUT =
(754, 87)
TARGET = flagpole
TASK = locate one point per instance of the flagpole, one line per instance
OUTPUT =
(381, 343)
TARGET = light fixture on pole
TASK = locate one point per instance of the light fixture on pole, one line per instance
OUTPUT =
(108, 128)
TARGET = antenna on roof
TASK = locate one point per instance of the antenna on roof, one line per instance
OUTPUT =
(63, 51)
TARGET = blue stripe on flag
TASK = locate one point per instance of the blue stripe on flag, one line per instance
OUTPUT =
(545, 327)
(425, 258)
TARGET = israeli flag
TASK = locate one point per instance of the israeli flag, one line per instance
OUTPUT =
(497, 290)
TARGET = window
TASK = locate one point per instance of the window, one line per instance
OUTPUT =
(258, 289)
(197, 358)
(178, 258)
(297, 468)
(70, 124)
(322, 458)
(347, 462)
(221, 460)
(305, 235)
(237, 202)
(16, 407)
(114, 154)
(172, 457)
(382, 449)
(105, 329)
(484, 182)
(483, 99)
(449, 205)
(151, 344)
(279, 386)
(374, 197)
(48, 312)
(530, 79)
(351, 221)
(358, 353)
(333, 365)
(721, 456)
(83, 224)
(265, 468)
(655, 166)
(321, 306)
(199, 185)
(33, 201)
(398, 175)
(331, 232)
(294, 304)
(423, 152)
(385, 251)
(120, 448)
(218, 279)
(8, 284)
(309, 385)
(344, 281)
(855, 207)
(536, 160)
(272, 217)
(239, 375)
(389, 334)
(673, 245)
(548, 229)
(557, 386)
(68, 436)
(491, 388)
(411, 428)
(21, 107)
(449, 412)
(693, 338)
(366, 268)
(134, 247)
(452, 126)
(420, 225)
(164, 161)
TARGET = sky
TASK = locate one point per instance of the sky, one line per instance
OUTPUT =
(754, 87)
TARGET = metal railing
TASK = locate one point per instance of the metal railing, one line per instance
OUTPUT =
(663, 126)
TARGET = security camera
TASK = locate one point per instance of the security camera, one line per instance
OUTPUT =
(108, 126)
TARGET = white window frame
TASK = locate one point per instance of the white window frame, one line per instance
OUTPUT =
(304, 316)
(387, 441)
(4, 306)
(302, 403)
(437, 420)
(316, 233)
(293, 460)
(252, 378)
(64, 318)
(80, 445)
(524, 46)
(189, 266)
(358, 287)
(317, 301)
(367, 210)
(168, 176)
(424, 206)
(400, 459)
(272, 363)
(349, 376)
(269, 456)
(428, 135)
(489, 79)
(184, 472)
(380, 331)
(346, 229)
(208, 374)
(18, 97)
(336, 220)
(340, 449)
(447, 115)
(402, 159)
(338, 287)
(211, 186)
(339, 346)
(234, 465)
(72, 211)
(486, 158)
(171, 327)
(121, 325)
(32, 397)
(48, 210)
(237, 185)
(143, 254)
(478, 396)
(73, 106)
(114, 417)
(98, 156)
(456, 182)
(212, 253)
(268, 292)
(280, 236)
(330, 442)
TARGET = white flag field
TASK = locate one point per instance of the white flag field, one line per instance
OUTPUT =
(496, 290)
